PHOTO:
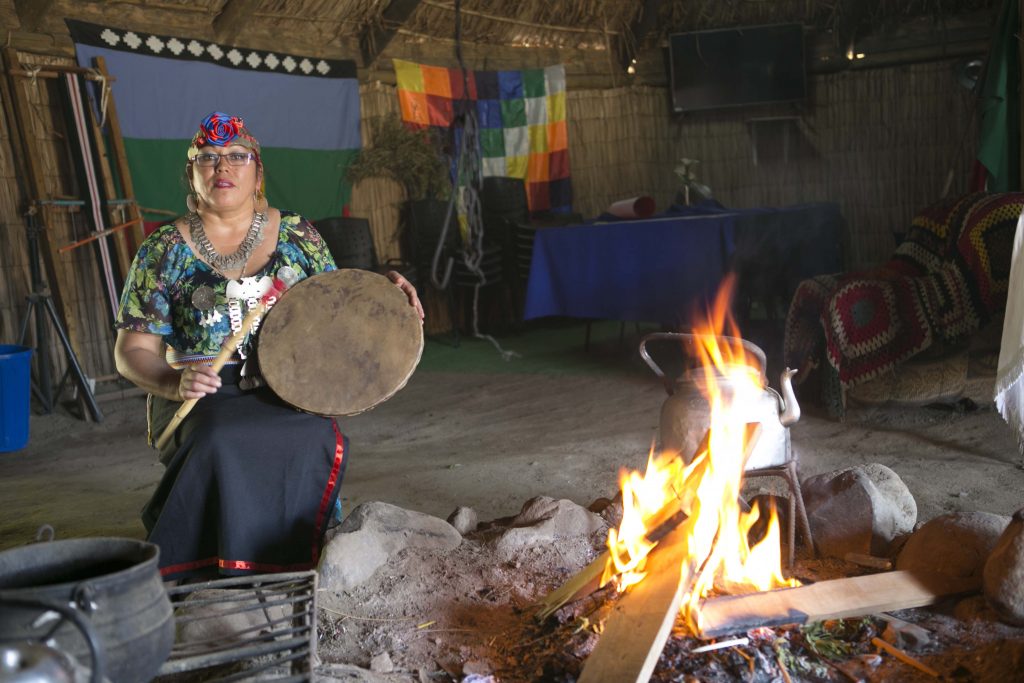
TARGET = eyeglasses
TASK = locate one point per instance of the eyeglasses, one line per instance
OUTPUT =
(208, 159)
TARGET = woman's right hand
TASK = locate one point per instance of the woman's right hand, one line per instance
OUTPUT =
(197, 381)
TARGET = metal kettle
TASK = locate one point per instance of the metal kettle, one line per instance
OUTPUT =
(685, 414)
(27, 662)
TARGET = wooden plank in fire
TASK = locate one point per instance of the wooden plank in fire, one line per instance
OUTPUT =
(834, 599)
(642, 620)
(640, 623)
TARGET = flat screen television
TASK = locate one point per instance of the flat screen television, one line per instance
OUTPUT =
(737, 66)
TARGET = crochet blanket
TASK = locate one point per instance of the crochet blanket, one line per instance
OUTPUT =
(947, 278)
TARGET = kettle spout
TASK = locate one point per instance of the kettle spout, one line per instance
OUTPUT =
(790, 409)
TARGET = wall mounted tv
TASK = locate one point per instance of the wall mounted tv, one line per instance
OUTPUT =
(737, 66)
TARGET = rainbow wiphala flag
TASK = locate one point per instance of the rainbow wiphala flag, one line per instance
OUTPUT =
(521, 119)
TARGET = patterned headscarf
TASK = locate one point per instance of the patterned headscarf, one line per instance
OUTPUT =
(220, 130)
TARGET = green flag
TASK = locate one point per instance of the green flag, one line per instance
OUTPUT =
(999, 140)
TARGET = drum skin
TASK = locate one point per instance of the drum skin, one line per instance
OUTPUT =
(340, 343)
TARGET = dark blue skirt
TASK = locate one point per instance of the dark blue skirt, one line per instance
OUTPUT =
(250, 485)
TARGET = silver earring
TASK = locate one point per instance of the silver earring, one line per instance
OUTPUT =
(192, 202)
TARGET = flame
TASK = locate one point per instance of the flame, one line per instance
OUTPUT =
(707, 489)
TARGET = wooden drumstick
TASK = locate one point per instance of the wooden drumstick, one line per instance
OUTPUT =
(231, 344)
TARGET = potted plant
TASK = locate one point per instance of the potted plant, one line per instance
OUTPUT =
(407, 156)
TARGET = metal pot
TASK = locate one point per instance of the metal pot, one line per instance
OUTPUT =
(111, 585)
(685, 414)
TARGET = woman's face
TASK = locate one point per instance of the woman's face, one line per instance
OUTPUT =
(224, 186)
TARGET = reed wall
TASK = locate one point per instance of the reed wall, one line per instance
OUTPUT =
(882, 143)
(76, 279)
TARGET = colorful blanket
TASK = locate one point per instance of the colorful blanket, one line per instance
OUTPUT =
(945, 280)
(521, 119)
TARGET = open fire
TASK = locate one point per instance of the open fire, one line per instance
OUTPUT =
(704, 486)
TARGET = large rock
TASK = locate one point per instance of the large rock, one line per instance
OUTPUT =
(464, 519)
(225, 615)
(955, 545)
(860, 510)
(544, 520)
(1003, 574)
(371, 535)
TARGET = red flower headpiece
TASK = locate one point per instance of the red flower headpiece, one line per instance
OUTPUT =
(219, 129)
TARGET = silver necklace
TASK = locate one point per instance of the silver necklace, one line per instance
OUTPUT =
(253, 238)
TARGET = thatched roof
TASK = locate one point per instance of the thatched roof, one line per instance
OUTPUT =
(365, 27)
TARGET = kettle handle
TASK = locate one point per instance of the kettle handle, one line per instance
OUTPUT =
(80, 621)
(690, 340)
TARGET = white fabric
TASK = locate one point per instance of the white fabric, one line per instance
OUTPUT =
(1010, 375)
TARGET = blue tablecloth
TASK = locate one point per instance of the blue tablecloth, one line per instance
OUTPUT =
(666, 269)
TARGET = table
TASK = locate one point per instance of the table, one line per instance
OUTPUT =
(665, 269)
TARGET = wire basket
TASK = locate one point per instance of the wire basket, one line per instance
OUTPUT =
(244, 628)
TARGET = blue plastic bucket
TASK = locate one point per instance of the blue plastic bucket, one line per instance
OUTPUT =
(14, 396)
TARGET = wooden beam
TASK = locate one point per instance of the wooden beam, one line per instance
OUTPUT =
(836, 599)
(56, 71)
(114, 213)
(377, 36)
(121, 159)
(638, 627)
(32, 12)
(642, 25)
(232, 18)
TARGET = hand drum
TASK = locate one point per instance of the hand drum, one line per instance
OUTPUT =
(339, 343)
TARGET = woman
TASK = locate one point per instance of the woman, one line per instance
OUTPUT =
(250, 482)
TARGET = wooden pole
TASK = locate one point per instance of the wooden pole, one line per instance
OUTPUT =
(97, 235)
(56, 71)
(114, 213)
(836, 599)
(121, 157)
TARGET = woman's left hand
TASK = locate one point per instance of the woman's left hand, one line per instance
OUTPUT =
(408, 289)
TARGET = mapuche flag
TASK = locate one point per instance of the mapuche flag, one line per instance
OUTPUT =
(303, 110)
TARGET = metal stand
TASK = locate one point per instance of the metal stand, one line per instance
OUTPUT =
(43, 387)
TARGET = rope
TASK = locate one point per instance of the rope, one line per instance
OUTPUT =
(104, 93)
(33, 83)
(467, 179)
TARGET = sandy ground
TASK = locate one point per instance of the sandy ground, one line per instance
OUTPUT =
(493, 441)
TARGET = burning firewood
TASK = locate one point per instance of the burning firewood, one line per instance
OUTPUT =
(641, 622)
(711, 548)
(588, 579)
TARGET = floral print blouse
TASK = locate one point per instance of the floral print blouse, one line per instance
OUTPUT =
(158, 291)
